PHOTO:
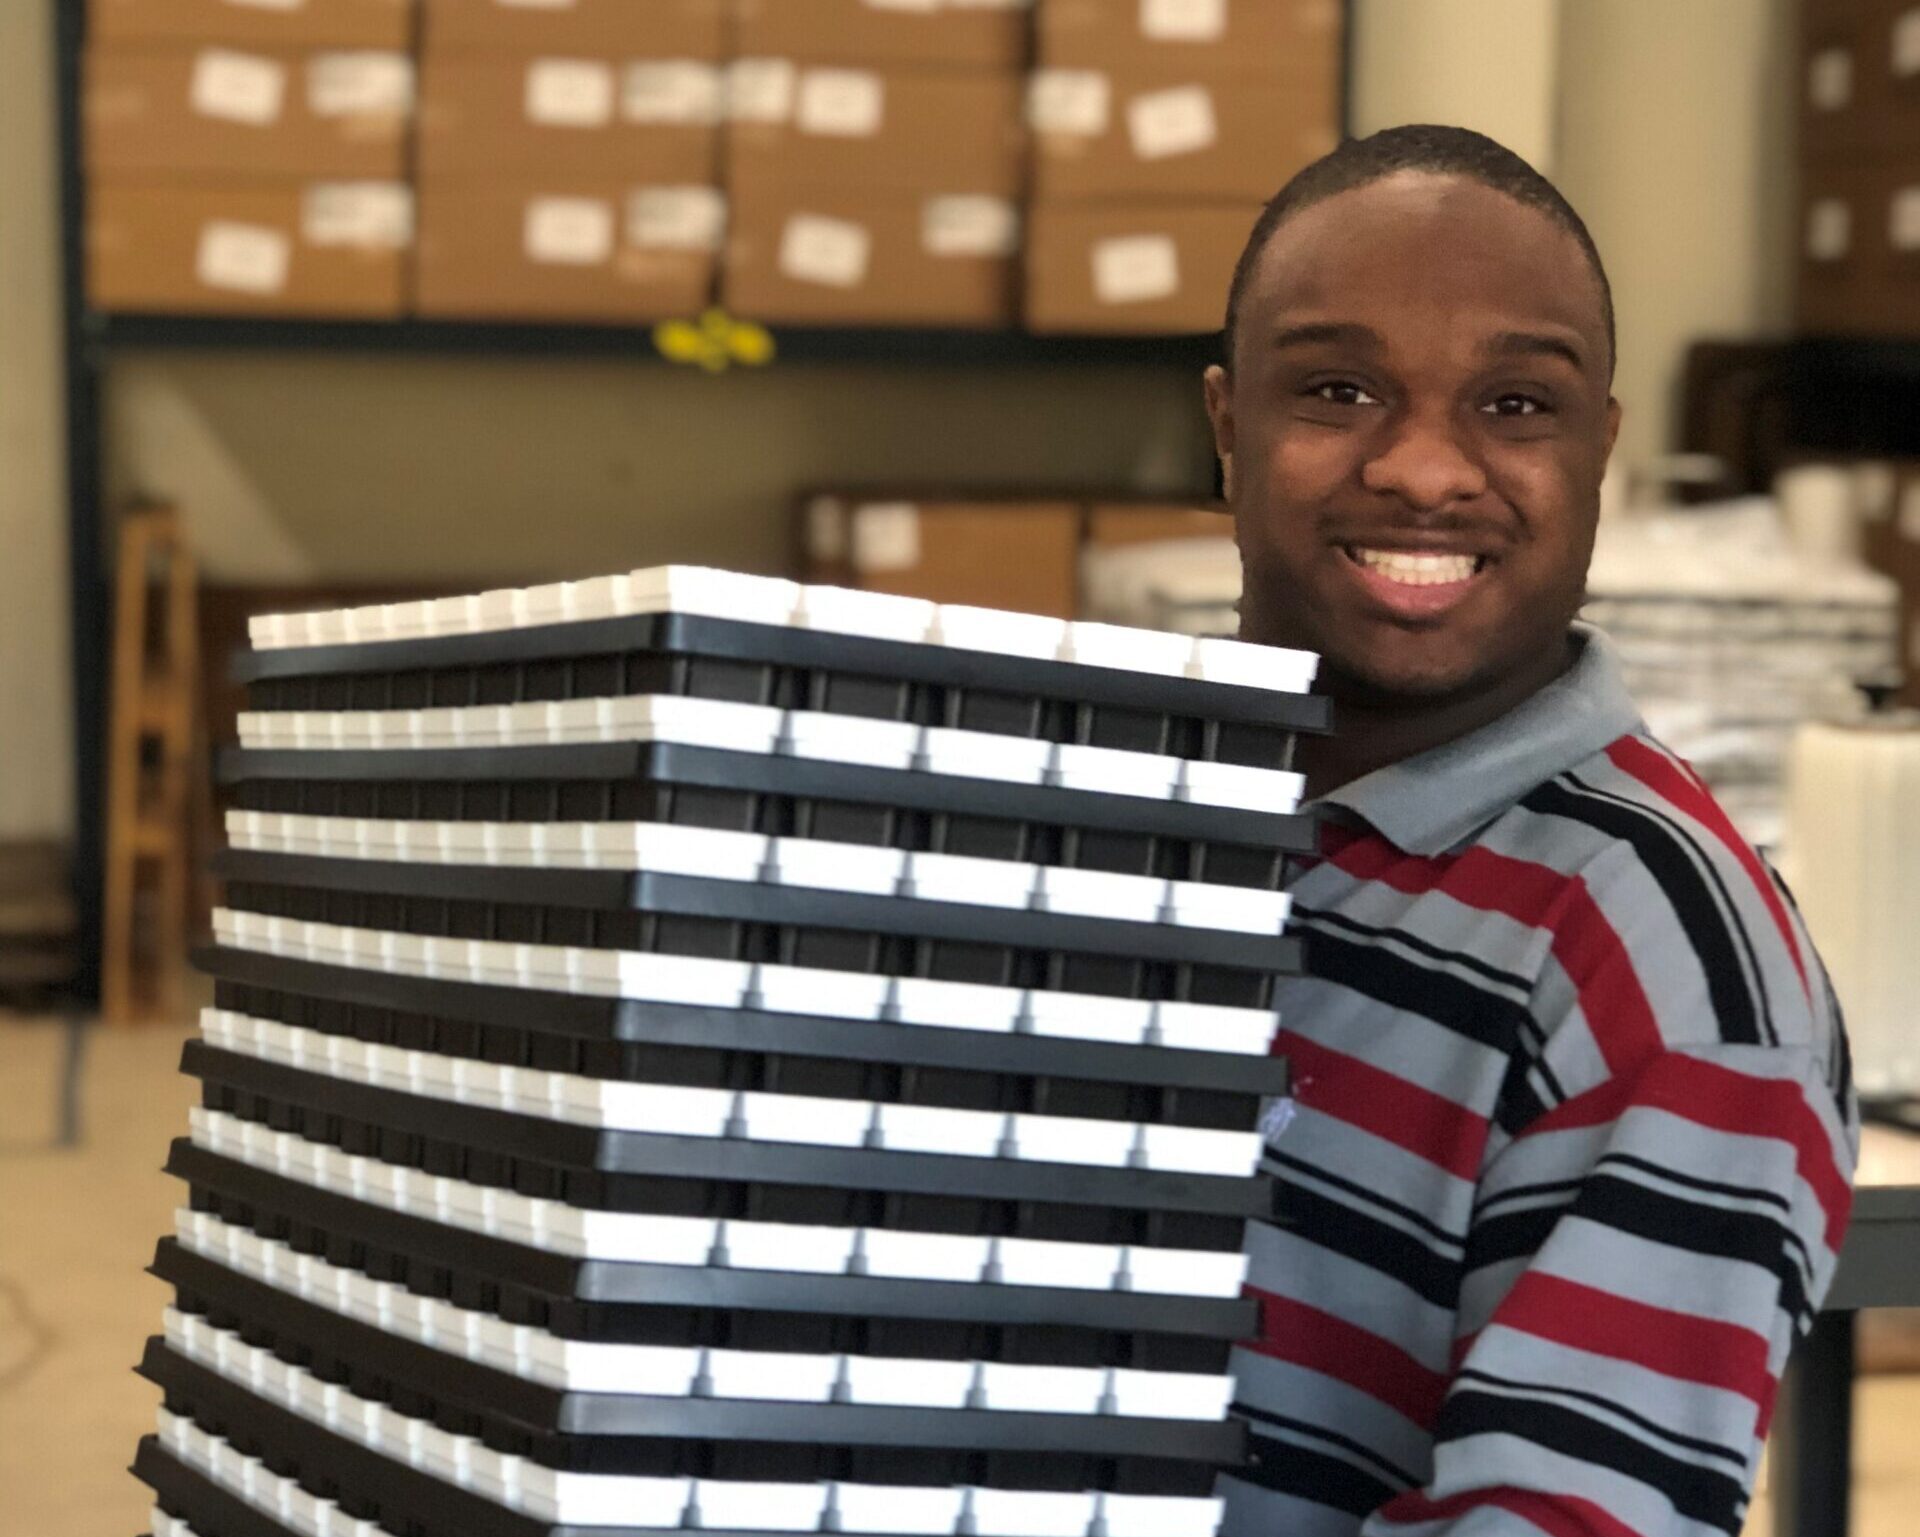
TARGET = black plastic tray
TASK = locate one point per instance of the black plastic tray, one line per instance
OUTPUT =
(775, 906)
(384, 1489)
(185, 1493)
(763, 792)
(762, 1062)
(494, 1142)
(610, 1301)
(587, 1432)
(767, 664)
(601, 1024)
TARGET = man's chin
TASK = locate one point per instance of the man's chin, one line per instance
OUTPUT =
(1376, 684)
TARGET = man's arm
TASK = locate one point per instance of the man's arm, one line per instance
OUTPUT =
(1642, 1255)
(1640, 1261)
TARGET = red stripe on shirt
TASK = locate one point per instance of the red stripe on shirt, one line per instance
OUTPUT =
(1675, 1344)
(1687, 796)
(1558, 1515)
(1339, 1348)
(1428, 1125)
(1720, 1099)
(1584, 942)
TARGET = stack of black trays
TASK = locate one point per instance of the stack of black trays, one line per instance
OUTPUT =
(695, 1052)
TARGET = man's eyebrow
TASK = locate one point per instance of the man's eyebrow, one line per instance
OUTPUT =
(1538, 344)
(1306, 335)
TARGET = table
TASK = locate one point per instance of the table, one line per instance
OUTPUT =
(1879, 1268)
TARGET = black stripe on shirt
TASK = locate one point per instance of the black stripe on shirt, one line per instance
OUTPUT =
(1318, 1478)
(1353, 1235)
(1659, 1216)
(1374, 970)
(1699, 1494)
(1398, 1477)
(1689, 882)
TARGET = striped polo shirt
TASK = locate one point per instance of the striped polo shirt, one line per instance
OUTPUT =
(1569, 1153)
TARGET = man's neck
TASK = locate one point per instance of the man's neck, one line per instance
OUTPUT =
(1371, 731)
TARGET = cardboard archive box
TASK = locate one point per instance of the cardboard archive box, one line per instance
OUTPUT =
(223, 112)
(1111, 524)
(657, 29)
(1013, 553)
(610, 118)
(823, 256)
(1275, 39)
(975, 36)
(1143, 269)
(565, 249)
(1165, 133)
(330, 249)
(894, 130)
(384, 24)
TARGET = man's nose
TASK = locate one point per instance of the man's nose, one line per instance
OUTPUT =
(1424, 462)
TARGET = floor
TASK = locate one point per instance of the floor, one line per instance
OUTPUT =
(77, 1227)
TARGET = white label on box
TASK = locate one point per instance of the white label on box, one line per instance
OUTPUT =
(671, 91)
(966, 224)
(270, 5)
(1830, 79)
(827, 530)
(1134, 269)
(1829, 230)
(816, 249)
(1909, 520)
(537, 5)
(846, 103)
(247, 258)
(920, 7)
(760, 90)
(1903, 220)
(886, 537)
(676, 218)
(1906, 42)
(356, 84)
(1183, 21)
(238, 87)
(1077, 101)
(372, 215)
(570, 93)
(1176, 122)
(569, 231)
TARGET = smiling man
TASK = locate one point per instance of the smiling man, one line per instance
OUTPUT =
(1568, 1161)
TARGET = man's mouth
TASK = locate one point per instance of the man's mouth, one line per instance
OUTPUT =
(1415, 584)
(1411, 568)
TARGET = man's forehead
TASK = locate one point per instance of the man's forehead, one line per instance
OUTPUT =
(1413, 241)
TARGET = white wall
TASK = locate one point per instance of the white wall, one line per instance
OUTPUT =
(1675, 143)
(1483, 64)
(35, 792)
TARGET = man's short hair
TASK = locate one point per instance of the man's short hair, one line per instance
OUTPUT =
(1432, 148)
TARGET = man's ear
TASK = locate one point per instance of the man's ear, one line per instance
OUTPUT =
(1217, 385)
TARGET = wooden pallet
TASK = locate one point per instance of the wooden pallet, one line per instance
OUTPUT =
(151, 757)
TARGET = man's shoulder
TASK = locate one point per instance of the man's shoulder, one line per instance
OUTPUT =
(1674, 902)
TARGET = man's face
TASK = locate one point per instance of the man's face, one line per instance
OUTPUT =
(1415, 430)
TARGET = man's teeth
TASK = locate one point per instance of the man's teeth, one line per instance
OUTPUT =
(1418, 570)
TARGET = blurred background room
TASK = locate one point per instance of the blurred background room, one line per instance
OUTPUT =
(314, 303)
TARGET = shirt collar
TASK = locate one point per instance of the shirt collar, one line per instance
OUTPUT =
(1435, 800)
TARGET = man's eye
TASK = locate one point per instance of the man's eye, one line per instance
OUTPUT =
(1514, 404)
(1342, 393)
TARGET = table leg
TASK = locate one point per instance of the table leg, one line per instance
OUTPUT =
(1813, 1437)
